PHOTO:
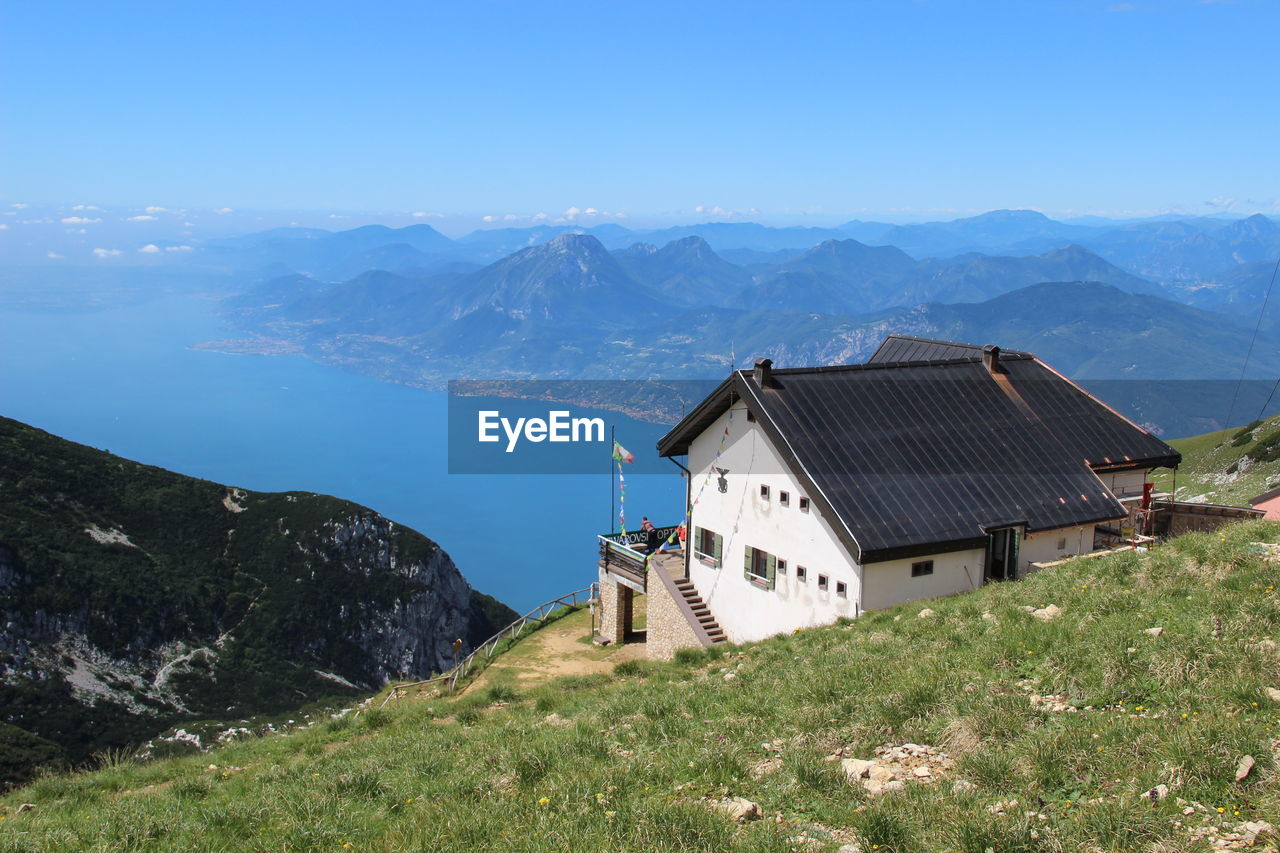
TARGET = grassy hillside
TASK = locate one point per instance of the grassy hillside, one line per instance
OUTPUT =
(1046, 734)
(1229, 466)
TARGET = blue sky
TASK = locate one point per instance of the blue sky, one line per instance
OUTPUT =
(871, 109)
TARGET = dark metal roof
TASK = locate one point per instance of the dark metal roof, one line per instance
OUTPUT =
(905, 348)
(1265, 496)
(912, 458)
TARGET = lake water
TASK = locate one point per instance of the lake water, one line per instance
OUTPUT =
(126, 380)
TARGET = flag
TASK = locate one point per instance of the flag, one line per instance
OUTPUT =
(621, 454)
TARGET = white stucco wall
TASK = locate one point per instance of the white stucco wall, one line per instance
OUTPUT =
(1124, 484)
(890, 583)
(1054, 545)
(744, 610)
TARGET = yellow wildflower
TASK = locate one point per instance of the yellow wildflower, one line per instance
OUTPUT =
(542, 801)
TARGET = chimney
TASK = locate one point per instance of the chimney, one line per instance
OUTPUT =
(763, 368)
(991, 358)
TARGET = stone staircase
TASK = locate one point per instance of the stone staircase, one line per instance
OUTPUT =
(700, 610)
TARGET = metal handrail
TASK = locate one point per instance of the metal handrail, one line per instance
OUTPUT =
(490, 646)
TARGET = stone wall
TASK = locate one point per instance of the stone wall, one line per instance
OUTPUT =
(616, 602)
(667, 629)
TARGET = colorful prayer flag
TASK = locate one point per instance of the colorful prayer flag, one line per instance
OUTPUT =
(621, 454)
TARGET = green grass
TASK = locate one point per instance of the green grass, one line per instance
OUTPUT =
(632, 755)
(1229, 466)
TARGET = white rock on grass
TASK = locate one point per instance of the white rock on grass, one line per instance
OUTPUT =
(926, 613)
(740, 809)
(1154, 632)
(1044, 614)
(1244, 768)
(856, 768)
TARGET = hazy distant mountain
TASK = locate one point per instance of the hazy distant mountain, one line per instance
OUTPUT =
(684, 272)
(571, 277)
(1239, 289)
(972, 278)
(995, 232)
(1188, 249)
(835, 277)
(847, 277)
(330, 255)
(1090, 329)
(722, 236)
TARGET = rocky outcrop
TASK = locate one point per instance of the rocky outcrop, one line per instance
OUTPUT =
(132, 598)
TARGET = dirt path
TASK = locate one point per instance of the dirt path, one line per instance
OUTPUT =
(562, 648)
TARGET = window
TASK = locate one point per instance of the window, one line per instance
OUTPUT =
(782, 566)
(1062, 543)
(804, 504)
(802, 574)
(751, 416)
(922, 568)
(842, 589)
(764, 493)
(822, 583)
(784, 498)
(708, 547)
(759, 567)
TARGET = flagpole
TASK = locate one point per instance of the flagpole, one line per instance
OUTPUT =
(613, 441)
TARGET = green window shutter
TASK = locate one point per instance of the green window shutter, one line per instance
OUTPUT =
(748, 552)
(696, 544)
(719, 547)
(772, 571)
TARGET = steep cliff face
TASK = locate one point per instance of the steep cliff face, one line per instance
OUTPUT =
(132, 597)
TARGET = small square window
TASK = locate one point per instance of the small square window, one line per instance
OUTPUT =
(804, 504)
(782, 566)
(842, 589)
(764, 493)
(784, 498)
(822, 582)
(802, 574)
(922, 568)
(1062, 543)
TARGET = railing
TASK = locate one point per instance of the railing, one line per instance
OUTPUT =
(623, 561)
(537, 615)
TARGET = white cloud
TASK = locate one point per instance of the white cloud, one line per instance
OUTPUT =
(52, 255)
(86, 207)
(224, 210)
(106, 253)
(78, 220)
(723, 212)
(422, 214)
(19, 205)
(3, 227)
(541, 217)
(156, 209)
(150, 249)
(574, 213)
(336, 216)
(177, 248)
(143, 217)
(511, 217)
(488, 219)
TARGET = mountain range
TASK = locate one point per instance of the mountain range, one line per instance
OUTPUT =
(569, 308)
